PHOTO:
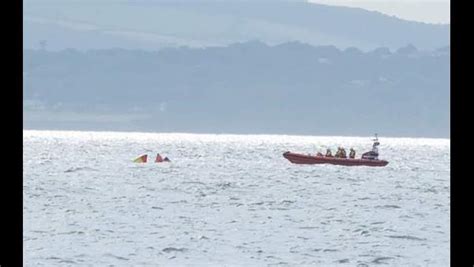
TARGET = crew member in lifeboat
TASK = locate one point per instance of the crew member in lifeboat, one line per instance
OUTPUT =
(343, 153)
(328, 152)
(352, 153)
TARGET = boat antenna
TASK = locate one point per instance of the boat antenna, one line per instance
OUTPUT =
(376, 138)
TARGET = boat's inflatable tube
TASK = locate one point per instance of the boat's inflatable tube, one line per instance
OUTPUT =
(307, 159)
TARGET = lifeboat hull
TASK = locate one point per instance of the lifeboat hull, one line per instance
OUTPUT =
(307, 159)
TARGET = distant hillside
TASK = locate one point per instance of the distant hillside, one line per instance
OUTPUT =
(156, 24)
(243, 88)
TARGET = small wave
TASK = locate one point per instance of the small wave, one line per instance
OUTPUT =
(61, 260)
(278, 208)
(178, 202)
(70, 233)
(115, 256)
(194, 182)
(224, 185)
(271, 257)
(430, 190)
(76, 169)
(45, 162)
(40, 231)
(67, 261)
(294, 249)
(409, 237)
(380, 260)
(389, 207)
(377, 223)
(171, 249)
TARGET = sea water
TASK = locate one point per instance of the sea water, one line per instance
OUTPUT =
(231, 200)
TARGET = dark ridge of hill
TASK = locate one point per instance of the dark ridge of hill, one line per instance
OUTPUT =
(156, 24)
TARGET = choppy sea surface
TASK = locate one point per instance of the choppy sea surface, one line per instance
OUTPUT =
(231, 200)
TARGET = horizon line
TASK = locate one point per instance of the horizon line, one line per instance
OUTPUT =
(230, 134)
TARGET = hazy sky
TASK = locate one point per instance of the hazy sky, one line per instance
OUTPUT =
(429, 11)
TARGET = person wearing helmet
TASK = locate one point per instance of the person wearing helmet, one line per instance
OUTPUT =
(343, 153)
(328, 152)
(352, 153)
